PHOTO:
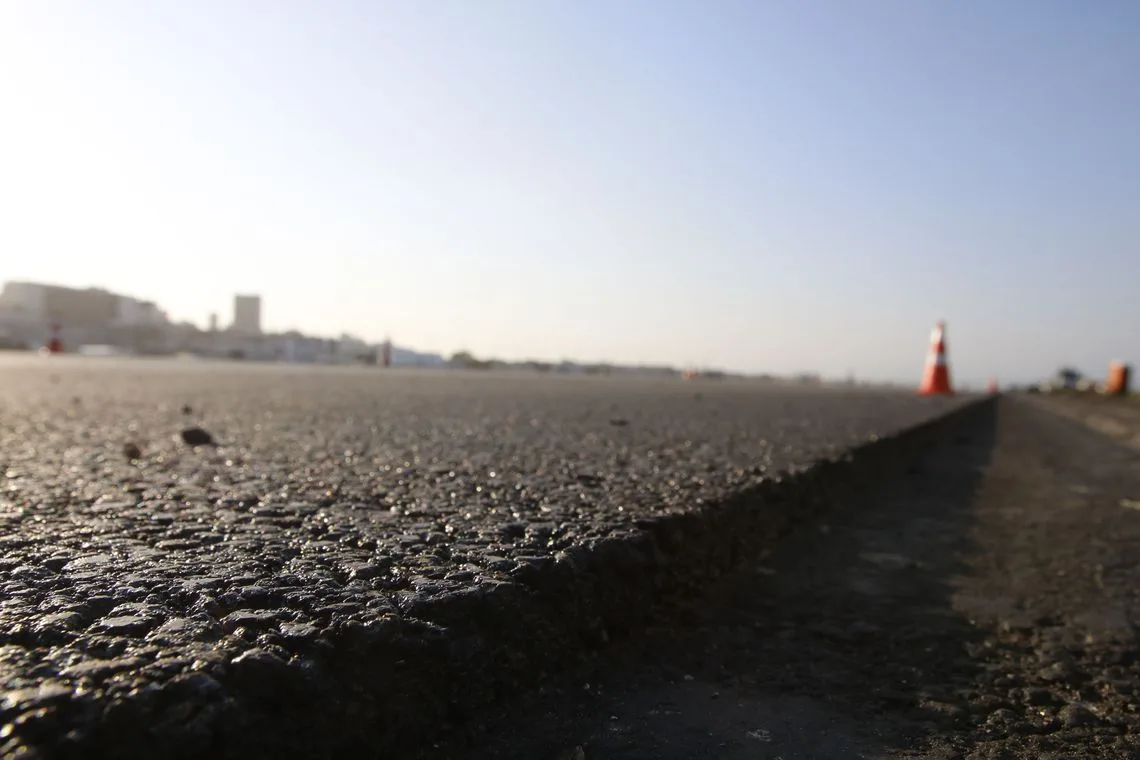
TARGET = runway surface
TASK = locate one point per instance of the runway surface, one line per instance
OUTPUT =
(343, 512)
(981, 604)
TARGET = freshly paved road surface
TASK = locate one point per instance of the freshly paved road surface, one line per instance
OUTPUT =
(983, 606)
(159, 590)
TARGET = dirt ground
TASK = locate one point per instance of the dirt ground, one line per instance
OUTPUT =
(984, 605)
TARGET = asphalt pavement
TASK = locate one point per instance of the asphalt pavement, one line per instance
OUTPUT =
(247, 560)
(981, 604)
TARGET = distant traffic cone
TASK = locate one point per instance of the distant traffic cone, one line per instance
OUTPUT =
(55, 345)
(936, 377)
(992, 388)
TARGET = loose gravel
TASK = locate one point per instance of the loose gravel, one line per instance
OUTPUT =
(364, 556)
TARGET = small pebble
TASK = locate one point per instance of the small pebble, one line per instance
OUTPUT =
(1075, 715)
(132, 452)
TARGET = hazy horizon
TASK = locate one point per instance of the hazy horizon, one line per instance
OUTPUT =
(748, 185)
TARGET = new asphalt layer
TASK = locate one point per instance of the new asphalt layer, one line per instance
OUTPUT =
(363, 556)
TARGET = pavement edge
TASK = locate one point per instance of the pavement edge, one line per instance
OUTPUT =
(385, 685)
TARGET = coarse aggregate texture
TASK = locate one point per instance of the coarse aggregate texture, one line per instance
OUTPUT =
(363, 554)
(981, 605)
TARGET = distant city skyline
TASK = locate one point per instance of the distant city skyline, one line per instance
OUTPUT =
(759, 187)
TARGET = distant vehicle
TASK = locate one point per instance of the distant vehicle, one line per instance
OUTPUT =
(1067, 379)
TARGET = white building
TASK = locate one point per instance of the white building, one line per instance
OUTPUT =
(135, 313)
(29, 311)
(294, 347)
(26, 298)
(349, 349)
(247, 315)
(90, 308)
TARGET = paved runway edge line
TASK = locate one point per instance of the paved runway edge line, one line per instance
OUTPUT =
(375, 687)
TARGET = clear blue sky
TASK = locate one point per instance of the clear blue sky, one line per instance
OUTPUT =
(755, 185)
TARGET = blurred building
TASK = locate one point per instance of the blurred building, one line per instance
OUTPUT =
(89, 308)
(28, 310)
(92, 307)
(247, 315)
(131, 312)
(350, 349)
(94, 321)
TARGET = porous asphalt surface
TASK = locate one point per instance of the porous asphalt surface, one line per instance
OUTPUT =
(985, 603)
(365, 556)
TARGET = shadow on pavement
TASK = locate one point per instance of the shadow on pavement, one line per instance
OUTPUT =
(842, 643)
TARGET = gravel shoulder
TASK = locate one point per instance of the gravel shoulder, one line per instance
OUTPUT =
(980, 604)
(366, 556)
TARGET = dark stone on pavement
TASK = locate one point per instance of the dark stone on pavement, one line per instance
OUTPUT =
(196, 436)
(1076, 715)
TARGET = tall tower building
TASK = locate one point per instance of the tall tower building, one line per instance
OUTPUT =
(247, 314)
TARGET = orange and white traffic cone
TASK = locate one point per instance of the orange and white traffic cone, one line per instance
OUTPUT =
(936, 376)
(992, 388)
(55, 345)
